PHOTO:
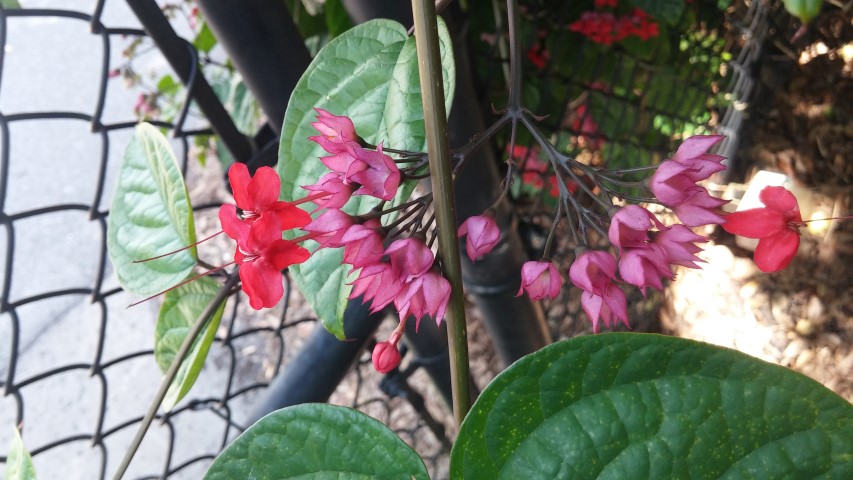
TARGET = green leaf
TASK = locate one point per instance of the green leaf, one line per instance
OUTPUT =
(167, 85)
(619, 405)
(317, 441)
(181, 308)
(10, 3)
(150, 215)
(805, 10)
(337, 19)
(19, 463)
(204, 41)
(668, 10)
(369, 73)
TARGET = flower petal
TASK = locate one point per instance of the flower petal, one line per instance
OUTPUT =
(264, 189)
(778, 198)
(776, 251)
(755, 223)
(262, 284)
(238, 176)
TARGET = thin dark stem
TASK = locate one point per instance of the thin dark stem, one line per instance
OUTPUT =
(514, 54)
(181, 354)
(178, 250)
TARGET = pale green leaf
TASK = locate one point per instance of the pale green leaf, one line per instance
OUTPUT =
(181, 308)
(317, 441)
(19, 463)
(150, 215)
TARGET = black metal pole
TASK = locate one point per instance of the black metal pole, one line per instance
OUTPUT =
(175, 50)
(264, 45)
(321, 364)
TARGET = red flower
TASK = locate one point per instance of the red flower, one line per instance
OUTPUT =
(262, 254)
(777, 226)
(258, 196)
(428, 294)
(329, 228)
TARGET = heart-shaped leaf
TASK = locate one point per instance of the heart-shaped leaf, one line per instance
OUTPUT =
(181, 308)
(647, 406)
(19, 463)
(370, 74)
(150, 215)
(317, 441)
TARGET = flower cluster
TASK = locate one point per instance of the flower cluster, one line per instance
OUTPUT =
(646, 248)
(404, 273)
(606, 28)
(354, 170)
(257, 228)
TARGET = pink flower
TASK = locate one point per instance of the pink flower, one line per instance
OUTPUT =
(702, 165)
(261, 254)
(593, 271)
(379, 285)
(410, 258)
(380, 178)
(644, 267)
(337, 192)
(427, 294)
(540, 280)
(385, 357)
(630, 225)
(258, 196)
(363, 245)
(777, 226)
(330, 227)
(674, 182)
(678, 245)
(335, 132)
(483, 234)
(345, 163)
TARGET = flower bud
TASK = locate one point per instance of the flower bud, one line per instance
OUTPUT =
(386, 357)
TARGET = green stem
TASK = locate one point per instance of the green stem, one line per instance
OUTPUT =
(435, 122)
(182, 353)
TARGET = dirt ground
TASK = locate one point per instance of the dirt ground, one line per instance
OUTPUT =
(801, 126)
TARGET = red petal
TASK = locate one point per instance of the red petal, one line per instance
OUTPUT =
(281, 254)
(239, 177)
(290, 216)
(264, 232)
(777, 198)
(264, 190)
(262, 284)
(232, 225)
(755, 223)
(776, 251)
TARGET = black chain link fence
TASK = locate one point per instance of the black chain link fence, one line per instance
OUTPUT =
(77, 368)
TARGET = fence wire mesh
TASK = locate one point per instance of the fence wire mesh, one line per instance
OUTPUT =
(77, 368)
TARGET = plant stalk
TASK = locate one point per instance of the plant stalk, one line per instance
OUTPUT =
(435, 122)
(180, 356)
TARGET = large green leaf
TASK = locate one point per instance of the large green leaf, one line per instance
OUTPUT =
(150, 215)
(19, 463)
(370, 74)
(181, 308)
(320, 442)
(619, 405)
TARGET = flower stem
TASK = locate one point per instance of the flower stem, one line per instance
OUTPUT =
(181, 354)
(435, 122)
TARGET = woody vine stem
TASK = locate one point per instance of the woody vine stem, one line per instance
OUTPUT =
(441, 171)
